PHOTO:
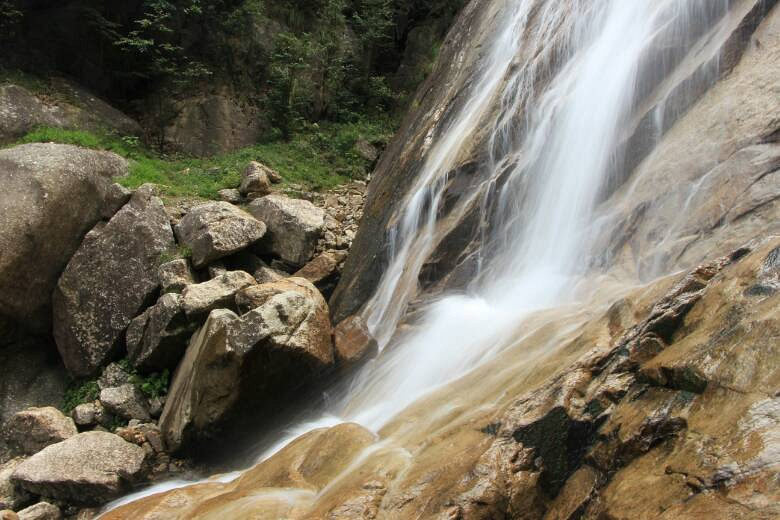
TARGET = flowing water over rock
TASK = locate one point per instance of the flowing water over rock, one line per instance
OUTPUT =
(553, 170)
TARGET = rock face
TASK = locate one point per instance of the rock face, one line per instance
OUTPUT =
(108, 282)
(255, 182)
(21, 111)
(294, 227)
(200, 299)
(33, 375)
(240, 368)
(52, 195)
(90, 469)
(31, 430)
(216, 230)
(214, 123)
(156, 339)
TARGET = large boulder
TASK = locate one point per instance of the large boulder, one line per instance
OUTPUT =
(156, 339)
(31, 430)
(200, 299)
(239, 369)
(217, 229)
(52, 195)
(294, 227)
(22, 111)
(90, 468)
(108, 282)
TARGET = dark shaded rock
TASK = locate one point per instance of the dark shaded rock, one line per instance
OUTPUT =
(109, 280)
(156, 340)
(90, 468)
(214, 123)
(175, 276)
(112, 376)
(239, 369)
(217, 229)
(52, 195)
(33, 375)
(11, 496)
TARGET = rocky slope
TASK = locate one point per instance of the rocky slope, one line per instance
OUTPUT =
(219, 295)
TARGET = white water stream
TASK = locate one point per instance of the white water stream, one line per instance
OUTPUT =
(551, 147)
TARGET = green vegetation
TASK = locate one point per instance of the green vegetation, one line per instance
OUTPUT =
(80, 392)
(318, 157)
(152, 385)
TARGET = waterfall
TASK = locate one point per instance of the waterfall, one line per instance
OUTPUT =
(552, 161)
(548, 107)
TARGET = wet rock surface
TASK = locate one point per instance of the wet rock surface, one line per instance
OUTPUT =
(584, 434)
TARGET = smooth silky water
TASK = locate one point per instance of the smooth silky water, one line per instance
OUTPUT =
(552, 147)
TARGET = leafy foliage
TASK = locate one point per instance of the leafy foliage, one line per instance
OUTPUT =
(152, 385)
(80, 392)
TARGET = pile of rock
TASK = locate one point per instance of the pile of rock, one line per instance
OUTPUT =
(229, 299)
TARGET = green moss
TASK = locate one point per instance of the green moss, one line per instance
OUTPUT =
(319, 157)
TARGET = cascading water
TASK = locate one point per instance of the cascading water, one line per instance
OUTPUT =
(554, 140)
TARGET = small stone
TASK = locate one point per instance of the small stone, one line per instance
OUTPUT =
(255, 182)
(230, 195)
(85, 415)
(219, 293)
(7, 514)
(113, 375)
(126, 401)
(175, 275)
(31, 430)
(41, 511)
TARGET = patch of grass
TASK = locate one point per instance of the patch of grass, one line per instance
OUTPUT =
(175, 254)
(317, 158)
(80, 392)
